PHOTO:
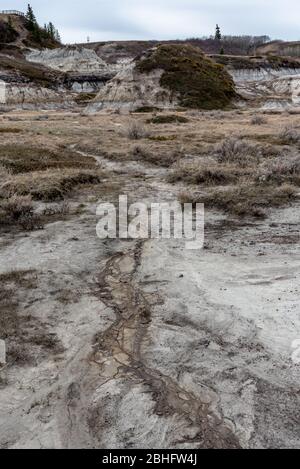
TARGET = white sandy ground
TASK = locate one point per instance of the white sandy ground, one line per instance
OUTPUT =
(193, 348)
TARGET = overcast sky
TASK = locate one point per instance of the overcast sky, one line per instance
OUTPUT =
(103, 20)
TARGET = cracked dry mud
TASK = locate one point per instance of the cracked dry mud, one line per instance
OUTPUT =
(156, 346)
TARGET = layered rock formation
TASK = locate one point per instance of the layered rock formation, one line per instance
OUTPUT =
(169, 76)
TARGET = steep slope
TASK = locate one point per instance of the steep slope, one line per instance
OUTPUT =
(169, 76)
(269, 82)
(14, 30)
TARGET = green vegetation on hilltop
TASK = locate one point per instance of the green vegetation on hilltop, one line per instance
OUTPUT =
(48, 36)
(188, 73)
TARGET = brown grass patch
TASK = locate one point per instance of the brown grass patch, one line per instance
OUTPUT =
(141, 153)
(248, 200)
(168, 119)
(22, 158)
(208, 173)
(10, 130)
(47, 185)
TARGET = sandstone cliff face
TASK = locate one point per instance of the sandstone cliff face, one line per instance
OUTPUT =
(274, 89)
(70, 59)
(131, 89)
(28, 96)
(86, 71)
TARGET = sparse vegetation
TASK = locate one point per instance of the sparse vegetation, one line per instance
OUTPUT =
(207, 173)
(168, 119)
(48, 185)
(135, 130)
(238, 151)
(141, 153)
(162, 138)
(247, 200)
(258, 120)
(19, 210)
(290, 136)
(85, 98)
(23, 158)
(146, 109)
(285, 169)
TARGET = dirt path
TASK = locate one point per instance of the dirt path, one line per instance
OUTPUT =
(161, 347)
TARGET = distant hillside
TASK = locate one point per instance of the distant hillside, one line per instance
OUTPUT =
(15, 30)
(113, 51)
(280, 48)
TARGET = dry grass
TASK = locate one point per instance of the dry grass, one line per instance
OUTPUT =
(168, 119)
(24, 158)
(10, 130)
(142, 153)
(281, 170)
(208, 173)
(289, 136)
(237, 151)
(134, 130)
(19, 210)
(248, 200)
(48, 185)
(258, 120)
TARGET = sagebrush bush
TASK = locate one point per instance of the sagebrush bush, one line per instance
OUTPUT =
(135, 130)
(258, 120)
(207, 173)
(19, 210)
(237, 151)
(284, 169)
(290, 135)
(246, 200)
(18, 206)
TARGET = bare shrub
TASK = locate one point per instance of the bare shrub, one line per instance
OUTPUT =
(237, 151)
(19, 210)
(290, 135)
(208, 173)
(284, 169)
(18, 206)
(258, 120)
(142, 153)
(245, 200)
(58, 209)
(135, 130)
(49, 185)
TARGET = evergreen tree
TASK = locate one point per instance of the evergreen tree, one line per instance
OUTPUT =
(38, 34)
(51, 31)
(57, 36)
(218, 35)
(31, 19)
